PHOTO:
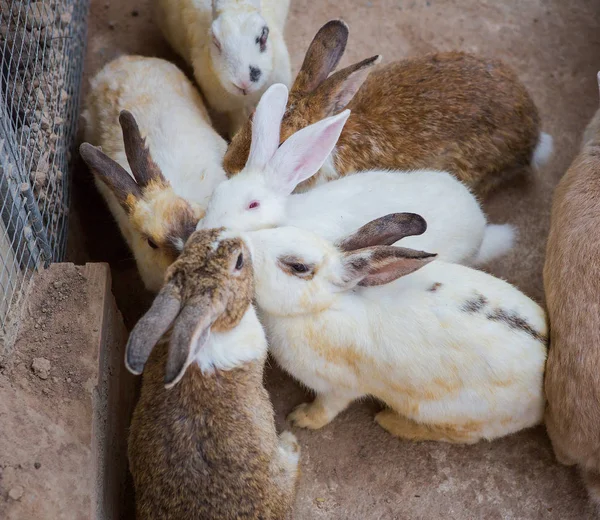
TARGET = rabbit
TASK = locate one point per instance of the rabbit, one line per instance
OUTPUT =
(447, 111)
(202, 441)
(260, 195)
(157, 209)
(456, 354)
(572, 289)
(236, 48)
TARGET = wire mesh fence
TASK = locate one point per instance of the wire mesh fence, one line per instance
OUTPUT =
(41, 56)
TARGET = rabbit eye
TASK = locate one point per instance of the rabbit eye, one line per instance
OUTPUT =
(262, 39)
(152, 244)
(240, 262)
(254, 204)
(299, 268)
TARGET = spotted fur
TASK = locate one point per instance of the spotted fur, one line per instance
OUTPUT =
(452, 364)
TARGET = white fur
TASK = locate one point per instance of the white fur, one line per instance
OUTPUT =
(543, 150)
(233, 348)
(456, 223)
(171, 115)
(498, 239)
(402, 335)
(189, 26)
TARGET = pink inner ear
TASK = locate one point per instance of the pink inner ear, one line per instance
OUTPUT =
(311, 160)
(387, 274)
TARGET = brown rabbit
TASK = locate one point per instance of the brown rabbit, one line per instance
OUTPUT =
(203, 446)
(572, 284)
(449, 111)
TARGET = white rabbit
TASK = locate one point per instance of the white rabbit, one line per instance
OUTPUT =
(455, 353)
(236, 48)
(158, 207)
(259, 196)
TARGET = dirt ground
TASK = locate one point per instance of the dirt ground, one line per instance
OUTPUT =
(352, 469)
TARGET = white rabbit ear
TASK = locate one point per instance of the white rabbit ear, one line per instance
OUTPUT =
(266, 125)
(303, 153)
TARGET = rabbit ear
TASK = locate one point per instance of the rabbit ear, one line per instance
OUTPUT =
(112, 174)
(384, 231)
(266, 124)
(144, 169)
(190, 334)
(303, 153)
(151, 327)
(380, 265)
(598, 77)
(339, 89)
(322, 56)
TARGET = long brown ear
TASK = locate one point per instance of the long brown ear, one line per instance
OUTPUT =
(190, 333)
(151, 327)
(323, 55)
(338, 89)
(144, 169)
(111, 173)
(379, 265)
(384, 231)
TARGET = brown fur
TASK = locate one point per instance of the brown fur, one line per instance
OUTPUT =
(155, 211)
(450, 111)
(207, 448)
(572, 285)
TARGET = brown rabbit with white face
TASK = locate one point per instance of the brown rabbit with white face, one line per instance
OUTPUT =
(572, 285)
(203, 443)
(449, 111)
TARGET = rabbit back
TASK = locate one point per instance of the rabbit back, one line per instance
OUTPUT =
(449, 111)
(455, 221)
(447, 345)
(204, 448)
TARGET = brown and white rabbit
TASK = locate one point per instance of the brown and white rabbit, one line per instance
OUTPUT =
(448, 111)
(139, 105)
(203, 443)
(572, 285)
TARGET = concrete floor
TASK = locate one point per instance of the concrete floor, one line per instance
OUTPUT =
(352, 469)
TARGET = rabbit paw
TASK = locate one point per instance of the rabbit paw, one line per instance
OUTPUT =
(309, 415)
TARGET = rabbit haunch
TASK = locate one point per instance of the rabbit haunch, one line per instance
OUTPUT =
(156, 199)
(456, 354)
(261, 195)
(204, 445)
(447, 111)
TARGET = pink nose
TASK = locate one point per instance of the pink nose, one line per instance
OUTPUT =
(243, 86)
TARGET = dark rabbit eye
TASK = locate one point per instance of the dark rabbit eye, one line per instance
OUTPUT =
(262, 39)
(152, 244)
(299, 268)
(254, 204)
(240, 262)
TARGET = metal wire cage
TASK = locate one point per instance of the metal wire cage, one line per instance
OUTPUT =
(41, 55)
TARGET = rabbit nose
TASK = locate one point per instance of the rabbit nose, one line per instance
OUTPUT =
(243, 86)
